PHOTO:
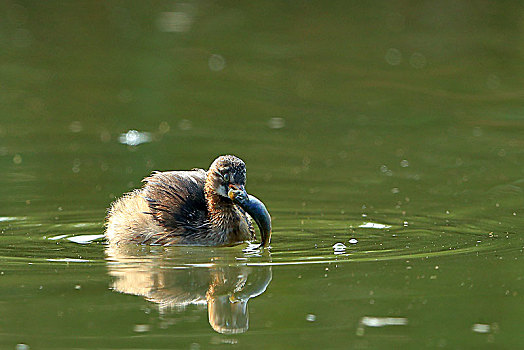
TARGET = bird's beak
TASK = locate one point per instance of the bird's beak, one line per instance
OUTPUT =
(237, 191)
(254, 207)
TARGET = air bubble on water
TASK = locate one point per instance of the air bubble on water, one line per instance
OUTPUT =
(353, 241)
(339, 246)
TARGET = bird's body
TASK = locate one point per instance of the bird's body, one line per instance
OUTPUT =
(184, 208)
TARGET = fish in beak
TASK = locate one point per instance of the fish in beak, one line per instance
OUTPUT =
(255, 208)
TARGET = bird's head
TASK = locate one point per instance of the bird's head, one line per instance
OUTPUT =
(227, 173)
(226, 178)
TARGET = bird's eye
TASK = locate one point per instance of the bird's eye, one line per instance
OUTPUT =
(226, 177)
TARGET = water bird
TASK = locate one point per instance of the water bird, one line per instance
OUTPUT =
(195, 207)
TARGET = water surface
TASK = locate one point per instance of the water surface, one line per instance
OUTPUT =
(385, 139)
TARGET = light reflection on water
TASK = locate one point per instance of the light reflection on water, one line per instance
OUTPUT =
(224, 286)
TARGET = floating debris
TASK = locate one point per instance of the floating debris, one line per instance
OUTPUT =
(134, 138)
(374, 225)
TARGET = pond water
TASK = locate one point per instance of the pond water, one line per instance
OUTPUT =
(386, 140)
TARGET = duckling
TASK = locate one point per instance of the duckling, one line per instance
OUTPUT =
(196, 207)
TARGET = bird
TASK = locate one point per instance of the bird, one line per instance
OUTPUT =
(194, 207)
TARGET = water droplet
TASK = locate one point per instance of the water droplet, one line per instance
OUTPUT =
(76, 126)
(477, 131)
(481, 328)
(134, 138)
(311, 318)
(17, 159)
(125, 96)
(493, 82)
(164, 127)
(216, 63)
(417, 60)
(176, 21)
(277, 123)
(22, 38)
(393, 57)
(185, 125)
(141, 328)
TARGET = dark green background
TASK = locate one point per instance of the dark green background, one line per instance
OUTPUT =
(403, 113)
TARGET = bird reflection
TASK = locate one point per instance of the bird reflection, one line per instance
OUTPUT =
(221, 284)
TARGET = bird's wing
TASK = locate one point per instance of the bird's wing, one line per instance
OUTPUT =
(176, 198)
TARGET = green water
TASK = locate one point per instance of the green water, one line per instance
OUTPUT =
(386, 139)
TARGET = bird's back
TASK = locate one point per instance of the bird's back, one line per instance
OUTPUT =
(169, 209)
(176, 200)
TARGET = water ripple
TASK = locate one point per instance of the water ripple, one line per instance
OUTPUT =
(312, 242)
